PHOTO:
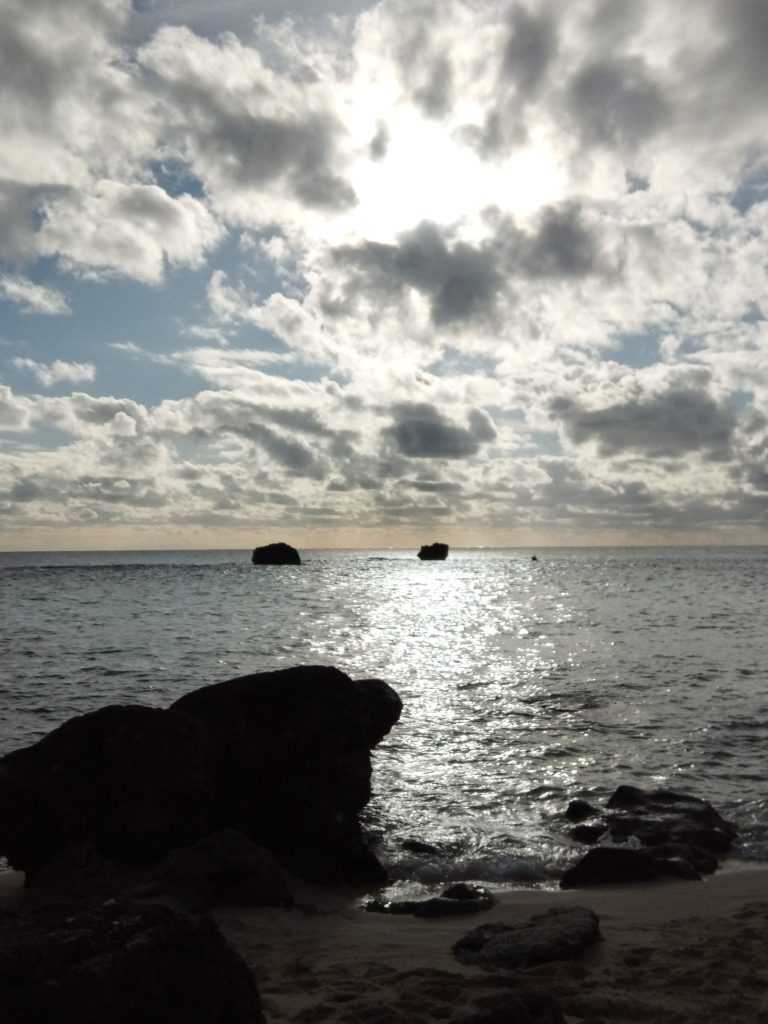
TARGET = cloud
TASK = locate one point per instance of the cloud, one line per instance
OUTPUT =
(15, 412)
(54, 373)
(421, 431)
(130, 230)
(672, 420)
(31, 297)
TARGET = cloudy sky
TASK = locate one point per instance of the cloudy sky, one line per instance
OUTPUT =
(379, 273)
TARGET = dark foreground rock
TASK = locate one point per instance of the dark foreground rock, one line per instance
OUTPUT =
(225, 868)
(658, 832)
(132, 782)
(276, 554)
(433, 552)
(292, 763)
(457, 899)
(283, 757)
(528, 1006)
(119, 963)
(561, 933)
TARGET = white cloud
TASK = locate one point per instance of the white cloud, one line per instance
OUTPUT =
(57, 372)
(31, 297)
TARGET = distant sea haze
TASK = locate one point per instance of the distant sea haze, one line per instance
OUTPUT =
(526, 682)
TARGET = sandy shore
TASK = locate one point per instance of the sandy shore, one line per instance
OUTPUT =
(672, 952)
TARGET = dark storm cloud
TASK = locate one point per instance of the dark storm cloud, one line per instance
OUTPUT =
(219, 128)
(529, 51)
(420, 431)
(616, 103)
(680, 420)
(463, 281)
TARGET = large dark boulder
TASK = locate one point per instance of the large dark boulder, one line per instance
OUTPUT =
(292, 763)
(131, 781)
(276, 554)
(284, 757)
(560, 933)
(119, 963)
(433, 552)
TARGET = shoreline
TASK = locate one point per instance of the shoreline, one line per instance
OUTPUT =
(681, 952)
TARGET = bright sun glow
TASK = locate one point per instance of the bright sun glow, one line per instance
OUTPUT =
(427, 174)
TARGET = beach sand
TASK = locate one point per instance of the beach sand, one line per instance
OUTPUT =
(672, 952)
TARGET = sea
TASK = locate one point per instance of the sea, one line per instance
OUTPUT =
(526, 681)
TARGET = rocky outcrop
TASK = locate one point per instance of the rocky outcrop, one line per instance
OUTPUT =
(283, 757)
(292, 763)
(560, 933)
(279, 553)
(526, 1006)
(647, 834)
(119, 963)
(433, 552)
(456, 899)
(133, 782)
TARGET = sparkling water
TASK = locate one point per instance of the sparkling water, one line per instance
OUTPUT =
(525, 682)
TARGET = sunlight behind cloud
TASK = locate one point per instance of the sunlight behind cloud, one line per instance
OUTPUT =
(427, 173)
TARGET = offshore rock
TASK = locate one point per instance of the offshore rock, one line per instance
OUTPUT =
(433, 552)
(561, 933)
(652, 833)
(131, 782)
(292, 766)
(119, 963)
(279, 553)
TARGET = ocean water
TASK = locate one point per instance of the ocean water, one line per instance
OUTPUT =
(525, 683)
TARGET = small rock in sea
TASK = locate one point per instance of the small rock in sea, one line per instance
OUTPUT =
(119, 963)
(560, 933)
(279, 553)
(433, 552)
(579, 810)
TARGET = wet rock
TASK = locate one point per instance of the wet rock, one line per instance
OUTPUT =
(433, 552)
(457, 899)
(225, 867)
(579, 810)
(560, 933)
(119, 963)
(527, 1006)
(609, 865)
(682, 836)
(129, 781)
(293, 766)
(279, 553)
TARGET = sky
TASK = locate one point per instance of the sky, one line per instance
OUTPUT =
(377, 274)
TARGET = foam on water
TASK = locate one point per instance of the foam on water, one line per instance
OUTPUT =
(525, 683)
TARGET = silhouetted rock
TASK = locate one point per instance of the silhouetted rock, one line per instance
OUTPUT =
(133, 782)
(433, 552)
(608, 865)
(579, 810)
(560, 933)
(284, 757)
(119, 963)
(292, 763)
(659, 832)
(276, 554)
(457, 899)
(225, 867)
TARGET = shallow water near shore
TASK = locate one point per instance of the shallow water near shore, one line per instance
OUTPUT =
(525, 683)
